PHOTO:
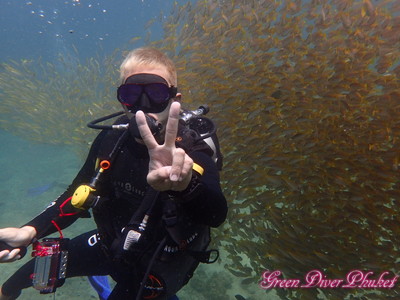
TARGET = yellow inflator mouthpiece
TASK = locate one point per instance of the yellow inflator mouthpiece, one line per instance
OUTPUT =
(81, 195)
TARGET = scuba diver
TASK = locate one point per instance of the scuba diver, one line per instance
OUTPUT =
(151, 182)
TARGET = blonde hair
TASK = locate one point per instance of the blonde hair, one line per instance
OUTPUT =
(150, 57)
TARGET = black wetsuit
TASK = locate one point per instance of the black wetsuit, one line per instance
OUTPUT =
(124, 187)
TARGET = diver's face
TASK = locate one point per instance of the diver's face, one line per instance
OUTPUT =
(160, 116)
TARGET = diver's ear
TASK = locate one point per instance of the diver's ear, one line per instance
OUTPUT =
(178, 97)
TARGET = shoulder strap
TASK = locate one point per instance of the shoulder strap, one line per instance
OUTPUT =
(188, 139)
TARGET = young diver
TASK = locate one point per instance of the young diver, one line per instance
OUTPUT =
(153, 189)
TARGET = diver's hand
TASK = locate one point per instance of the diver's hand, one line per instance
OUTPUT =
(15, 237)
(170, 168)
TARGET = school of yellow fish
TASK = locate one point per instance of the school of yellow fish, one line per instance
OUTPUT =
(306, 95)
(53, 102)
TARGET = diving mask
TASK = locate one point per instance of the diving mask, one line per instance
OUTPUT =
(147, 92)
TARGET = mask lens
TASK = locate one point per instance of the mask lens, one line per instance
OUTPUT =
(129, 94)
(157, 92)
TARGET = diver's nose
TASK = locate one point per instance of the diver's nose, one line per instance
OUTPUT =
(144, 102)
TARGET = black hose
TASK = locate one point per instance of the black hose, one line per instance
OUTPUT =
(94, 123)
(146, 275)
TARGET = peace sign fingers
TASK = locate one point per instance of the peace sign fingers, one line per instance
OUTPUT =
(169, 167)
(145, 131)
(172, 125)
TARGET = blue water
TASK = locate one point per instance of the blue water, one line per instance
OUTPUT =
(31, 172)
(40, 28)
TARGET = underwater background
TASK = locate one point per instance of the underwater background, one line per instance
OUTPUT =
(306, 95)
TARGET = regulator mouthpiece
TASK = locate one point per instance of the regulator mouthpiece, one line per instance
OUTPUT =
(154, 125)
